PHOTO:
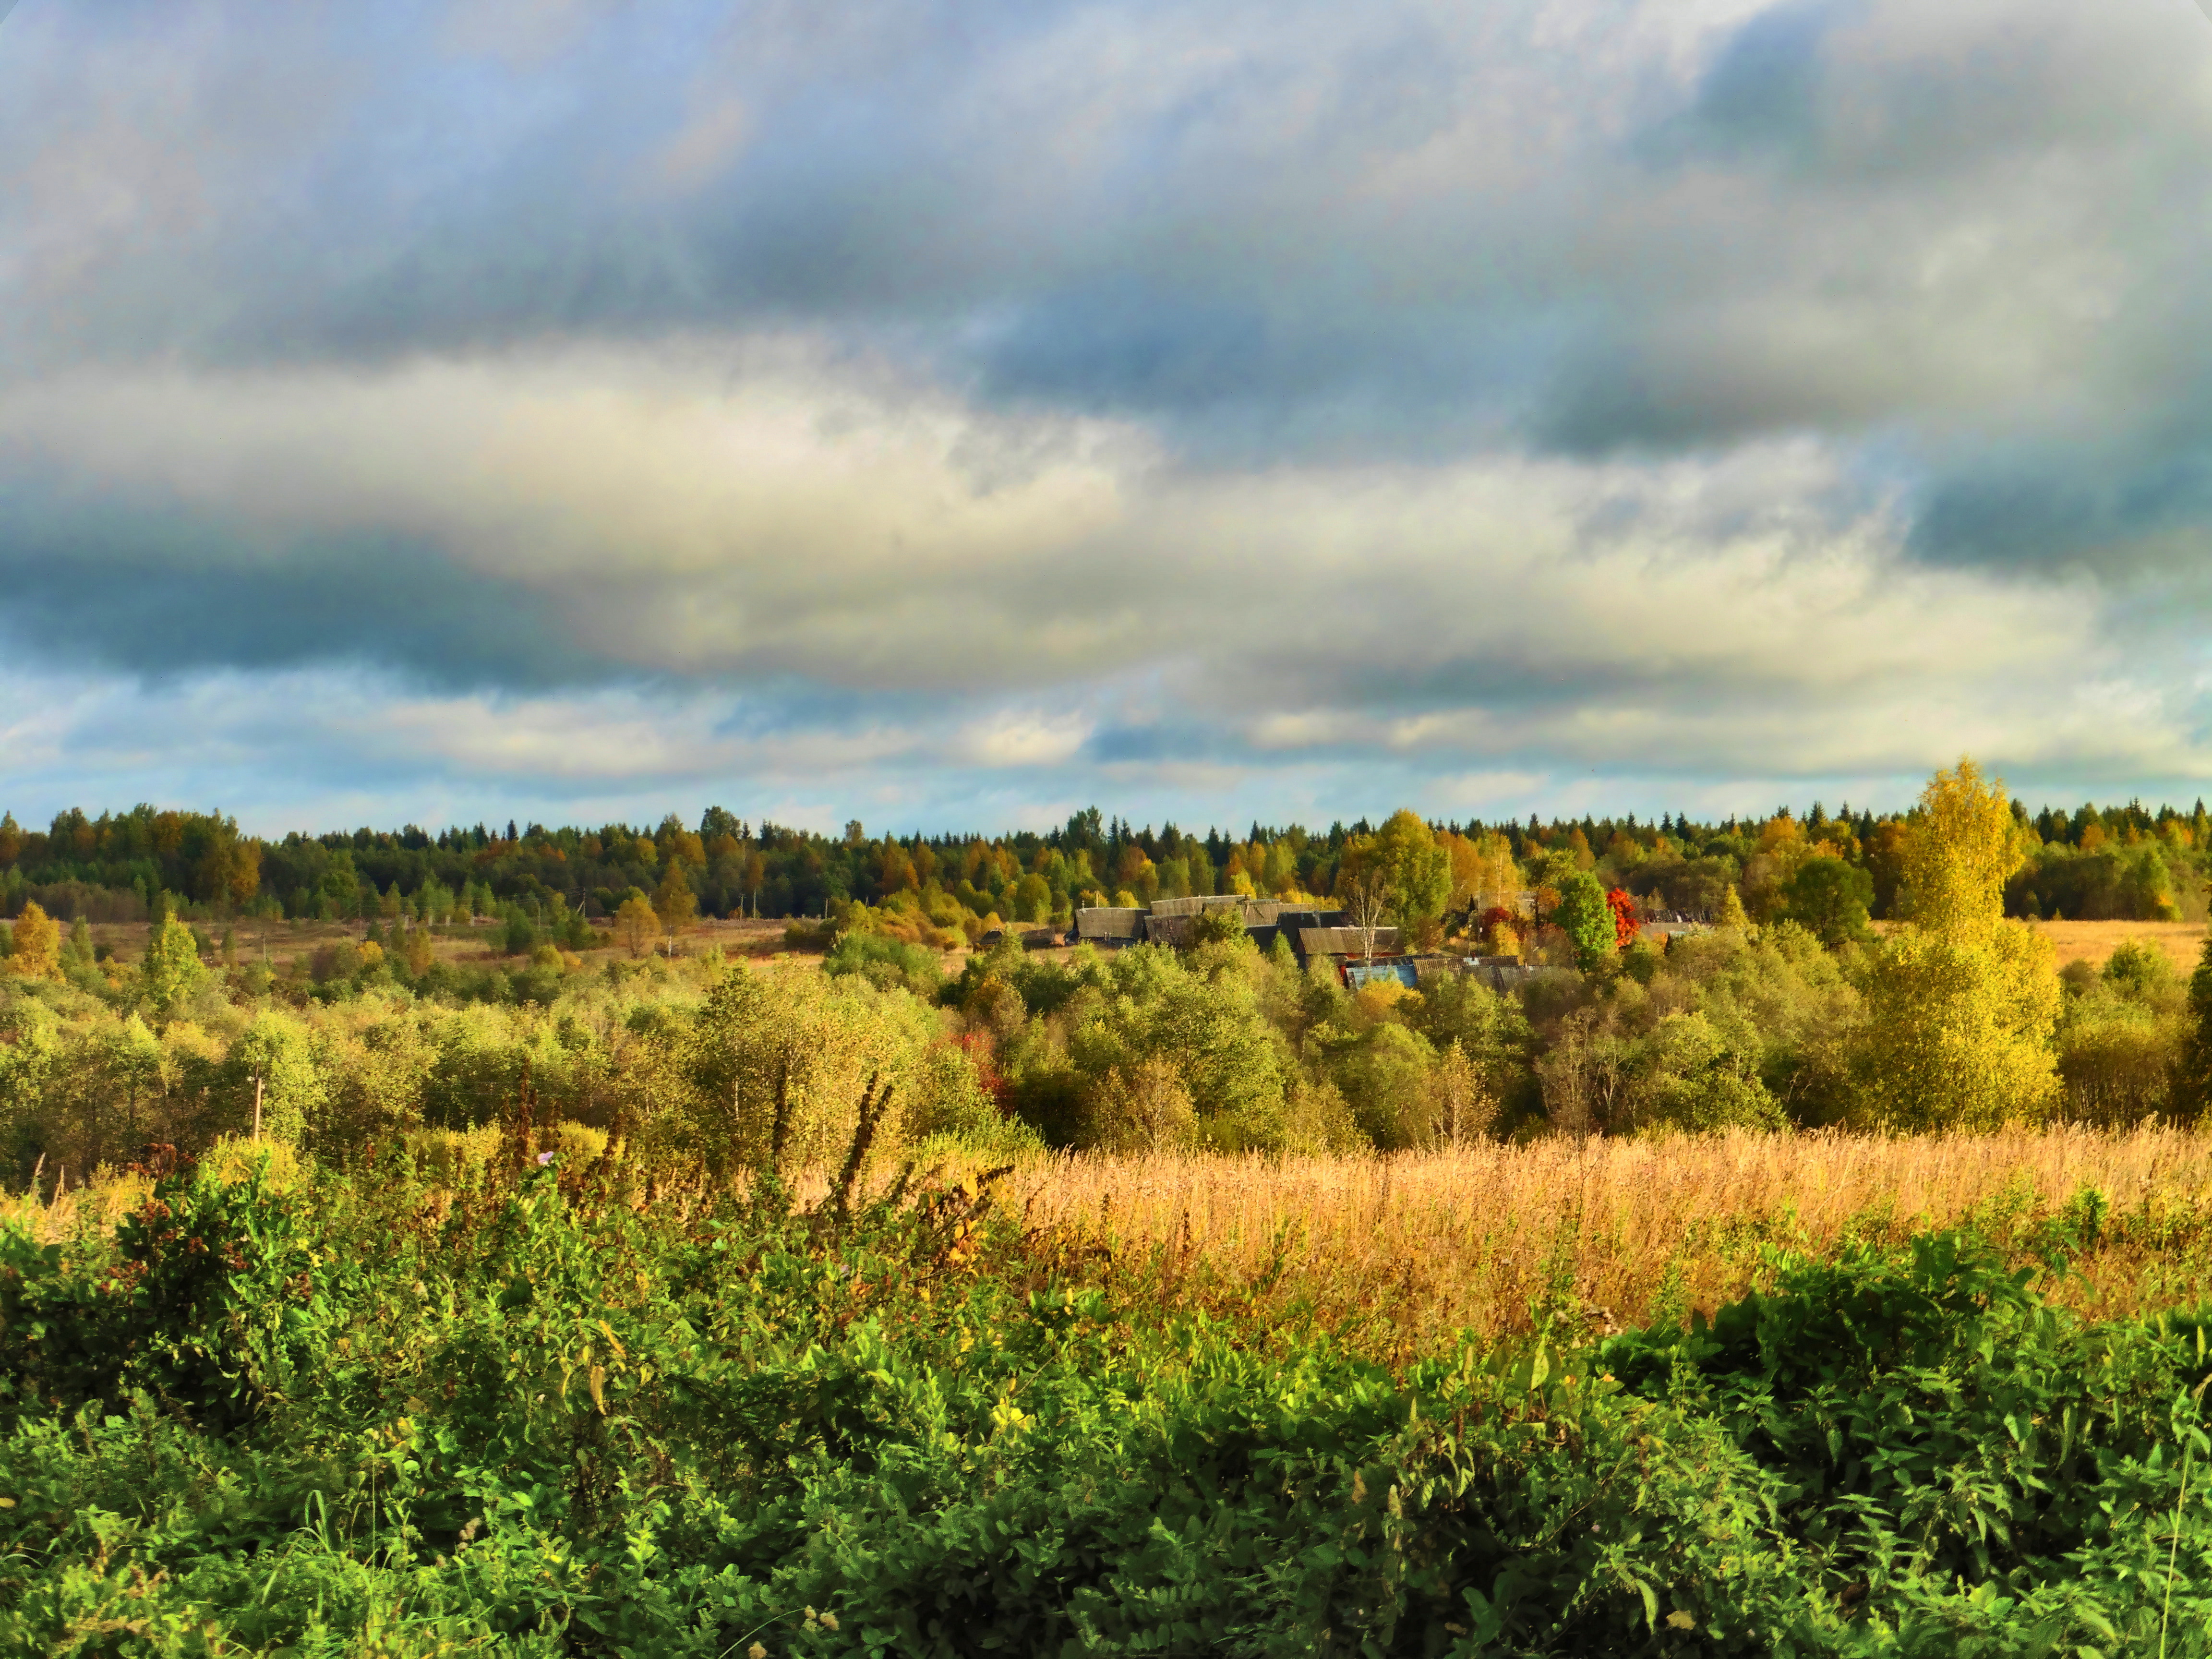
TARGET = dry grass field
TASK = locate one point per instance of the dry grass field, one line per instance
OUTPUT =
(2093, 941)
(1397, 1254)
(1400, 1251)
(280, 942)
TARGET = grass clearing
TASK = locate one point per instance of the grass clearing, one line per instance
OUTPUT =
(2094, 941)
(1488, 1237)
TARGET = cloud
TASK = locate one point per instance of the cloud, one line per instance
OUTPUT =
(884, 575)
(1246, 400)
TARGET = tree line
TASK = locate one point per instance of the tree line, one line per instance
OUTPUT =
(2126, 862)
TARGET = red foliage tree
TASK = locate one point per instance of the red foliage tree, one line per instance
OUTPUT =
(1623, 917)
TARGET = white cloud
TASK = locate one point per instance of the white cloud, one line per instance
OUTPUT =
(734, 513)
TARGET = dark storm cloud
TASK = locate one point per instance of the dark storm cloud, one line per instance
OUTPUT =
(2067, 509)
(104, 585)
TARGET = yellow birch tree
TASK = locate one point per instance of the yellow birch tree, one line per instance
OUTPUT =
(37, 953)
(1960, 1003)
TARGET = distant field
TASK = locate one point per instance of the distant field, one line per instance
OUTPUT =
(284, 941)
(2094, 941)
(2074, 940)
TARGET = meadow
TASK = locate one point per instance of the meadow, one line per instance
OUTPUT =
(1492, 1238)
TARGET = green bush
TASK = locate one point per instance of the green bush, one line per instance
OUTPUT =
(1384, 1074)
(885, 963)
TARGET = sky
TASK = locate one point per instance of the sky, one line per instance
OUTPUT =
(953, 415)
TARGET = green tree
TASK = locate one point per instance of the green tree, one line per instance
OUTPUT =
(776, 1065)
(1962, 1004)
(1032, 899)
(276, 1091)
(128, 1070)
(1691, 1076)
(1584, 916)
(1388, 1079)
(1220, 924)
(1211, 1030)
(171, 967)
(1417, 876)
(1829, 899)
(2193, 1085)
(229, 870)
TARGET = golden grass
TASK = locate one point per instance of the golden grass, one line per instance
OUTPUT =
(1400, 1253)
(1413, 1247)
(67, 1210)
(64, 1213)
(2093, 941)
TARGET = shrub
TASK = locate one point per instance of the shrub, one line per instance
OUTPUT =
(886, 963)
(2141, 971)
(1691, 1077)
(948, 1097)
(1141, 1108)
(1386, 1075)
(336, 960)
(835, 1423)
(1211, 1030)
(784, 1056)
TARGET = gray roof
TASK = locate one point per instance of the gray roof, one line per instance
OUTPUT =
(1345, 941)
(1109, 921)
(1196, 903)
